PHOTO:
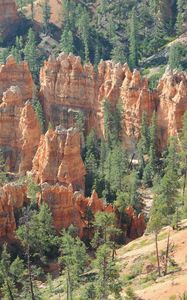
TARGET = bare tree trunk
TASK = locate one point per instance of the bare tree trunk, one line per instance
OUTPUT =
(9, 290)
(185, 176)
(167, 254)
(30, 273)
(157, 253)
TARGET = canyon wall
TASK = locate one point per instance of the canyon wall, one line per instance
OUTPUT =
(54, 159)
(19, 127)
(8, 11)
(68, 87)
(58, 159)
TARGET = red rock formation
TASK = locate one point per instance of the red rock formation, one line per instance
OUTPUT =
(67, 87)
(137, 223)
(11, 197)
(58, 158)
(19, 127)
(8, 11)
(13, 74)
(172, 91)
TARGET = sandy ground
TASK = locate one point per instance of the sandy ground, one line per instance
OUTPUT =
(170, 285)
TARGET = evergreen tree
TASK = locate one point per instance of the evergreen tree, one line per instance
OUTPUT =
(3, 175)
(181, 5)
(156, 222)
(11, 274)
(133, 48)
(184, 151)
(105, 229)
(30, 52)
(108, 282)
(118, 168)
(169, 184)
(39, 113)
(145, 134)
(83, 29)
(151, 167)
(46, 12)
(175, 57)
(117, 54)
(74, 259)
(66, 41)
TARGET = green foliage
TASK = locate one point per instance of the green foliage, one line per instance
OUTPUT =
(39, 113)
(181, 13)
(11, 274)
(154, 79)
(74, 259)
(66, 41)
(133, 57)
(107, 281)
(30, 52)
(3, 173)
(46, 13)
(176, 54)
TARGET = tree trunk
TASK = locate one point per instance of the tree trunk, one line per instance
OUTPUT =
(167, 254)
(69, 288)
(9, 290)
(157, 253)
(30, 273)
(185, 177)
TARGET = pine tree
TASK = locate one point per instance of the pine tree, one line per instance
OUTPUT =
(151, 167)
(74, 259)
(11, 274)
(30, 52)
(3, 175)
(145, 134)
(117, 54)
(181, 5)
(184, 151)
(39, 113)
(66, 41)
(108, 282)
(46, 12)
(133, 48)
(105, 229)
(118, 168)
(83, 28)
(156, 222)
(174, 60)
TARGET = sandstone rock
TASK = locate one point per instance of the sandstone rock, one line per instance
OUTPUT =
(13, 74)
(8, 12)
(172, 91)
(12, 197)
(19, 127)
(68, 87)
(137, 223)
(58, 159)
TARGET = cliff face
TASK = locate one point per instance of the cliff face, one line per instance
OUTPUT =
(8, 11)
(12, 197)
(19, 127)
(58, 159)
(68, 87)
(172, 92)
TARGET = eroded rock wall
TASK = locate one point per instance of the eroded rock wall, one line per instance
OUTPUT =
(19, 127)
